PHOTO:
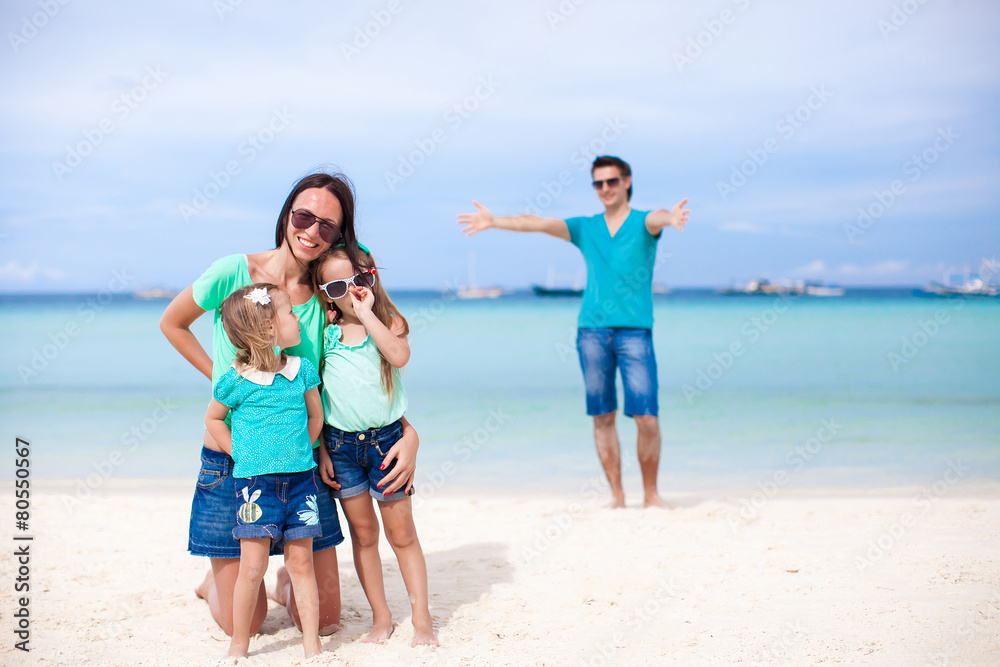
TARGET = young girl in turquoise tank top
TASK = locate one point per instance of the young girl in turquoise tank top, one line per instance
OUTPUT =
(363, 401)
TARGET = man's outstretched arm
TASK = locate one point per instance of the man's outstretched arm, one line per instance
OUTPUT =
(483, 219)
(677, 217)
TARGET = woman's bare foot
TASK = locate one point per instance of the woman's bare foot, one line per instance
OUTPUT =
(380, 632)
(282, 588)
(206, 585)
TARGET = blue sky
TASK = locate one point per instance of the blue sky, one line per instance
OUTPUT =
(781, 122)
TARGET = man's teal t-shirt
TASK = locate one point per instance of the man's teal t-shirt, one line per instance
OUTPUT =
(619, 289)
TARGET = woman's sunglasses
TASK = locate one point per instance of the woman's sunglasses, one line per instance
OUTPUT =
(611, 182)
(338, 288)
(303, 219)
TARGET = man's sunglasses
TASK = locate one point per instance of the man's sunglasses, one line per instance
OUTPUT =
(303, 219)
(338, 288)
(611, 183)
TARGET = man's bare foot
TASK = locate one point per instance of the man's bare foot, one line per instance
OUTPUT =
(206, 585)
(616, 503)
(379, 633)
(656, 501)
(281, 589)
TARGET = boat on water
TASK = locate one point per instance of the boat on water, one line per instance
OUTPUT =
(473, 291)
(154, 293)
(552, 287)
(985, 284)
(764, 287)
(973, 288)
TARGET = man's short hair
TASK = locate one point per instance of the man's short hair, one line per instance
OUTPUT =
(611, 161)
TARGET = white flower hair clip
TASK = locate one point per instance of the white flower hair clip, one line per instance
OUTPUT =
(259, 295)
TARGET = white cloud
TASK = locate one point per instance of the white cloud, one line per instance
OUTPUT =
(14, 271)
(887, 268)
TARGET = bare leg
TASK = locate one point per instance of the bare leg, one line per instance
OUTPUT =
(253, 565)
(328, 585)
(299, 566)
(609, 451)
(648, 450)
(217, 590)
(363, 522)
(397, 517)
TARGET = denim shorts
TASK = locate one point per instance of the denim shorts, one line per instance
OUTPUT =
(357, 458)
(280, 506)
(213, 519)
(602, 351)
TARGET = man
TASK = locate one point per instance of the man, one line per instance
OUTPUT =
(616, 318)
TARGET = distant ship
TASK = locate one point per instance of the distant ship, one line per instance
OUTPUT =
(154, 293)
(472, 291)
(552, 288)
(975, 287)
(763, 287)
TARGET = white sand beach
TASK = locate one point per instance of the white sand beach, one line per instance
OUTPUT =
(893, 577)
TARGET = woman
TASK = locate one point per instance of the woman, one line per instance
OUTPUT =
(318, 214)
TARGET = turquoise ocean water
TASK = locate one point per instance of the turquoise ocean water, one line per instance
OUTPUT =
(878, 388)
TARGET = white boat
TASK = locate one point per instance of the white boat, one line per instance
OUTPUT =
(823, 290)
(472, 291)
(984, 285)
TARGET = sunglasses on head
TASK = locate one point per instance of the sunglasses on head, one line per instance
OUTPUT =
(303, 219)
(338, 288)
(611, 183)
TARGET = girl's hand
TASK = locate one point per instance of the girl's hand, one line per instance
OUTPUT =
(325, 465)
(362, 299)
(405, 454)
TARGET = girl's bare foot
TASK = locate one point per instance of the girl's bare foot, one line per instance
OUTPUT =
(424, 637)
(206, 585)
(238, 649)
(312, 646)
(380, 632)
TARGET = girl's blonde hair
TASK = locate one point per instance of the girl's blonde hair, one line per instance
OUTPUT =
(384, 309)
(250, 327)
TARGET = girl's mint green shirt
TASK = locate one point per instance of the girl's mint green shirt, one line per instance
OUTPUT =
(227, 275)
(361, 403)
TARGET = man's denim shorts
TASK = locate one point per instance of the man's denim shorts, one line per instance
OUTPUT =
(602, 350)
(280, 506)
(213, 517)
(357, 459)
